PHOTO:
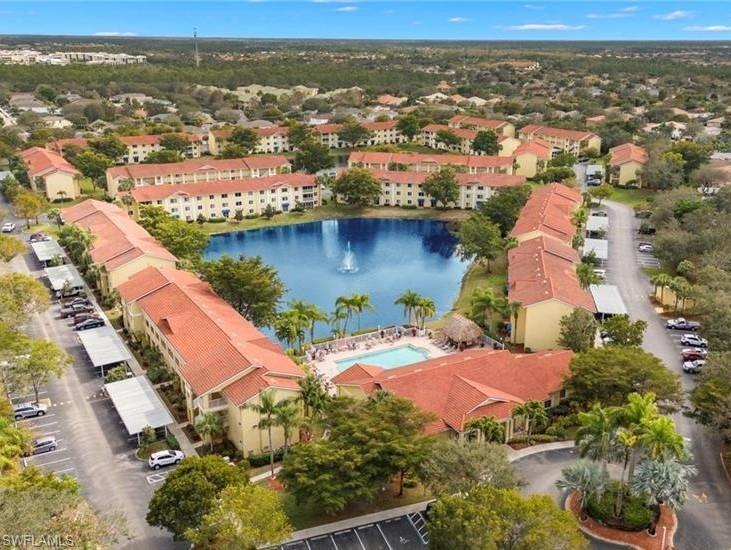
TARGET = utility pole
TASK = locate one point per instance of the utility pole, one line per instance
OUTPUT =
(195, 43)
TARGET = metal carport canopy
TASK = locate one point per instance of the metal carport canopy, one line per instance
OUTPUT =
(138, 405)
(46, 251)
(597, 223)
(600, 247)
(59, 275)
(607, 299)
(103, 346)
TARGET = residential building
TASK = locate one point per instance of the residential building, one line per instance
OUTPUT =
(120, 247)
(430, 138)
(542, 280)
(561, 139)
(220, 361)
(625, 162)
(532, 157)
(138, 147)
(420, 162)
(274, 139)
(500, 127)
(548, 213)
(196, 170)
(399, 188)
(51, 174)
(391, 101)
(224, 198)
(468, 385)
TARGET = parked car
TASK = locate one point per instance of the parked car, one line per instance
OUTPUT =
(81, 317)
(74, 309)
(94, 322)
(599, 213)
(593, 182)
(693, 340)
(582, 160)
(74, 300)
(646, 229)
(8, 227)
(681, 323)
(165, 458)
(693, 367)
(29, 410)
(600, 273)
(44, 445)
(645, 247)
(70, 293)
(643, 214)
(38, 237)
(691, 354)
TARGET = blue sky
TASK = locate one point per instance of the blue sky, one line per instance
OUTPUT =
(481, 20)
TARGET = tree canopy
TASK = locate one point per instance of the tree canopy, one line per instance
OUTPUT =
(442, 186)
(357, 187)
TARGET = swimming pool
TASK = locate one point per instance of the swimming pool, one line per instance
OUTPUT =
(387, 358)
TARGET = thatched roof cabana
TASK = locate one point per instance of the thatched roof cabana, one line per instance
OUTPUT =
(461, 330)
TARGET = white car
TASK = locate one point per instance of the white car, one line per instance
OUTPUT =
(693, 367)
(165, 458)
(694, 341)
(645, 248)
(8, 227)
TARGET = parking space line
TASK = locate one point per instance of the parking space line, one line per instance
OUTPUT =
(50, 433)
(388, 544)
(53, 462)
(48, 453)
(64, 470)
(36, 418)
(359, 541)
(45, 425)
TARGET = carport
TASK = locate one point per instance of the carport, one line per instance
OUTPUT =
(608, 301)
(64, 277)
(599, 247)
(47, 251)
(138, 406)
(597, 226)
(104, 347)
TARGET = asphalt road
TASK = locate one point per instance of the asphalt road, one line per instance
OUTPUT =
(705, 521)
(93, 445)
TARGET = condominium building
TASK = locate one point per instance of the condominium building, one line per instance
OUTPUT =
(221, 363)
(626, 162)
(532, 157)
(500, 127)
(561, 139)
(274, 139)
(138, 147)
(548, 213)
(120, 248)
(226, 198)
(50, 174)
(430, 137)
(420, 162)
(196, 170)
(405, 188)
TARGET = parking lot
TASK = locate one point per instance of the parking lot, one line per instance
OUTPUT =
(407, 532)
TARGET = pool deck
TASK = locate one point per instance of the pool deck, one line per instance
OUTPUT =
(329, 368)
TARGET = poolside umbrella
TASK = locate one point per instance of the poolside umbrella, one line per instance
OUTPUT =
(461, 330)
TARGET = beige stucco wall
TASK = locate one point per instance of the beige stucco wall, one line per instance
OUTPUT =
(61, 181)
(527, 165)
(351, 391)
(124, 272)
(508, 146)
(538, 325)
(628, 172)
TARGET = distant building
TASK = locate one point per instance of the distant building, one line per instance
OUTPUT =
(139, 147)
(50, 174)
(500, 127)
(626, 162)
(532, 157)
(421, 162)
(561, 139)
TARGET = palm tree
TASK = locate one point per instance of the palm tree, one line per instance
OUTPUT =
(632, 416)
(425, 309)
(289, 327)
(338, 316)
(209, 425)
(663, 482)
(585, 477)
(488, 427)
(287, 417)
(410, 301)
(484, 304)
(310, 315)
(662, 281)
(534, 413)
(596, 436)
(344, 310)
(682, 289)
(579, 217)
(267, 409)
(586, 275)
(314, 398)
(661, 440)
(361, 303)
(626, 444)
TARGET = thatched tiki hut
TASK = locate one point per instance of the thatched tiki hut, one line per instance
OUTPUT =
(459, 330)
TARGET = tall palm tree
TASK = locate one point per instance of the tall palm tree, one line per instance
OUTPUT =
(534, 412)
(661, 281)
(663, 482)
(597, 435)
(626, 444)
(579, 217)
(344, 310)
(425, 308)
(661, 440)
(361, 303)
(289, 327)
(585, 477)
(632, 416)
(410, 301)
(488, 427)
(267, 409)
(310, 315)
(485, 305)
(586, 275)
(338, 316)
(287, 417)
(682, 289)
(209, 425)
(314, 398)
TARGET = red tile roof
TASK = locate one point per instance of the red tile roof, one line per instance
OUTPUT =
(548, 211)
(417, 178)
(477, 122)
(117, 238)
(537, 147)
(219, 349)
(461, 133)
(561, 133)
(627, 152)
(197, 165)
(543, 269)
(39, 162)
(146, 193)
(413, 159)
(469, 384)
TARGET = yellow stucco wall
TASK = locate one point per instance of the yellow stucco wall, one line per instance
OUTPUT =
(527, 165)
(122, 273)
(538, 325)
(508, 129)
(628, 172)
(351, 391)
(61, 181)
(508, 146)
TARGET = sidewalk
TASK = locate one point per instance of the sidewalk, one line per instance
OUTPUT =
(514, 455)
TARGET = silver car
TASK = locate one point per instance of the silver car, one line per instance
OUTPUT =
(29, 410)
(44, 445)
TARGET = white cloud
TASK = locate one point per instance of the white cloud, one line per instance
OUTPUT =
(347, 9)
(416, 23)
(629, 11)
(532, 7)
(543, 27)
(114, 33)
(708, 28)
(673, 15)
(458, 20)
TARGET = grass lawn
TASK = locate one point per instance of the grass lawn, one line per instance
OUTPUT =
(47, 228)
(631, 197)
(145, 453)
(303, 516)
(332, 211)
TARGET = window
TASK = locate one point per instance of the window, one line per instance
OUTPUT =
(548, 403)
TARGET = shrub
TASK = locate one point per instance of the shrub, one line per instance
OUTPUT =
(157, 373)
(408, 206)
(263, 459)
(251, 216)
(533, 439)
(636, 515)
(172, 441)
(217, 220)
(557, 430)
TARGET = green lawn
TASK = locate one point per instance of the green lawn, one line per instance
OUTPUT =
(631, 197)
(303, 516)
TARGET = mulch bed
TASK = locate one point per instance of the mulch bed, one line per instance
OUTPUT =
(640, 540)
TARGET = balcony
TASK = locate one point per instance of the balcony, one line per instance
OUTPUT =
(218, 404)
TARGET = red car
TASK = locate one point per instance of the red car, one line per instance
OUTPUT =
(693, 354)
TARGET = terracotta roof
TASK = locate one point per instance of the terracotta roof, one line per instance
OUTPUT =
(542, 269)
(627, 152)
(417, 178)
(59, 144)
(39, 162)
(220, 349)
(548, 211)
(561, 133)
(196, 165)
(412, 159)
(388, 99)
(477, 122)
(461, 133)
(146, 193)
(537, 147)
(117, 238)
(469, 384)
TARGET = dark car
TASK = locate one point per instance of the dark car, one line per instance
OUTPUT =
(691, 354)
(89, 323)
(74, 300)
(81, 317)
(38, 237)
(75, 309)
(681, 323)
